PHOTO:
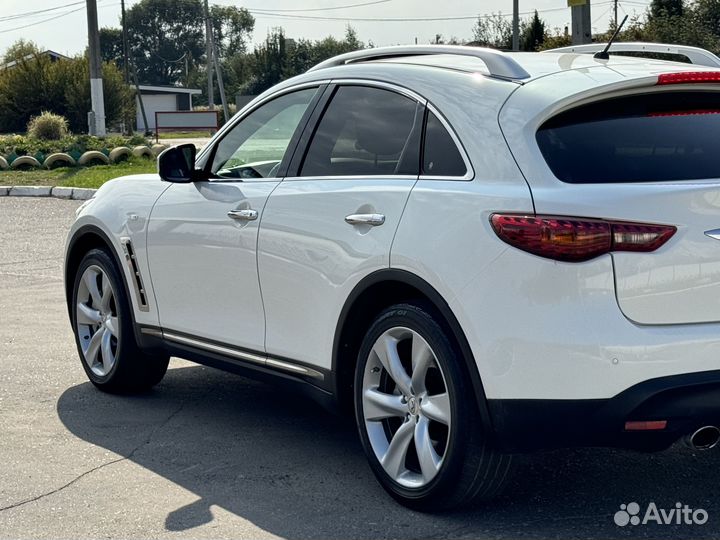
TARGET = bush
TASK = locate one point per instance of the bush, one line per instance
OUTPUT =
(37, 84)
(48, 126)
(75, 145)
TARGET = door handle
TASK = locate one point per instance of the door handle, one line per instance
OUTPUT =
(243, 215)
(365, 219)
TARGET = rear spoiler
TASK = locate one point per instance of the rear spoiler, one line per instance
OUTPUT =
(696, 55)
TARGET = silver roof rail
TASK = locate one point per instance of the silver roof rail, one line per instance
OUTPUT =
(696, 55)
(498, 63)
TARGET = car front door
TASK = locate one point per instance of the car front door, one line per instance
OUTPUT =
(332, 220)
(202, 236)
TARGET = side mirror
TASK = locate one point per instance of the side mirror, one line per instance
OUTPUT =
(177, 164)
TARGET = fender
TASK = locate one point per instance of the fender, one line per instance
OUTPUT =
(69, 278)
(450, 322)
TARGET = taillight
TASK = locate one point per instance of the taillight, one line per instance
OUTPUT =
(688, 77)
(574, 239)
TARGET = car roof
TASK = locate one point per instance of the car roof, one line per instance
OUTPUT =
(542, 64)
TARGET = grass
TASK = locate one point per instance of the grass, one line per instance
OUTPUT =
(184, 134)
(89, 177)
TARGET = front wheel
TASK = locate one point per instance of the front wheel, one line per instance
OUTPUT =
(417, 415)
(103, 327)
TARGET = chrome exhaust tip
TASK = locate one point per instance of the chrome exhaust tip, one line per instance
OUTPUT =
(704, 438)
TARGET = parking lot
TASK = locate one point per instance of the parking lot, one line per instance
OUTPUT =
(212, 455)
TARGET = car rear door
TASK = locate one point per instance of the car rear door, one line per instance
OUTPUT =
(650, 157)
(332, 221)
(202, 236)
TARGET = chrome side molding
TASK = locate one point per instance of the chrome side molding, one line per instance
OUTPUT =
(233, 352)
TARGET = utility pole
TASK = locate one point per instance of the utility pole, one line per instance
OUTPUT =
(140, 101)
(615, 6)
(581, 22)
(516, 26)
(96, 118)
(221, 86)
(126, 69)
(209, 54)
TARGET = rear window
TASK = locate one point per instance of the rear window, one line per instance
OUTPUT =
(643, 138)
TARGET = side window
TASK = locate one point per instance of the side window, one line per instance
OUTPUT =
(255, 147)
(365, 131)
(441, 156)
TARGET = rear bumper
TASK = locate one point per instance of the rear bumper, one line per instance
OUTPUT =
(687, 402)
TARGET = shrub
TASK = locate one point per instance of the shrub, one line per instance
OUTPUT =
(48, 126)
(75, 145)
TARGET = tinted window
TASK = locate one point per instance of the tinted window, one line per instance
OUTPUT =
(645, 138)
(441, 156)
(255, 147)
(364, 131)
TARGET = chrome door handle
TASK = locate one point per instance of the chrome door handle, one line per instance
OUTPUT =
(365, 219)
(243, 215)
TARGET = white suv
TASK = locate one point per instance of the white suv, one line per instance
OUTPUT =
(479, 253)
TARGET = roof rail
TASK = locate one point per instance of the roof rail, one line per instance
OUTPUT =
(498, 63)
(696, 55)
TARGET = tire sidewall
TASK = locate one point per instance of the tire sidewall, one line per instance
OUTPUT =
(101, 259)
(417, 319)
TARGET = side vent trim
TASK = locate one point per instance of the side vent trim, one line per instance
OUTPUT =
(132, 264)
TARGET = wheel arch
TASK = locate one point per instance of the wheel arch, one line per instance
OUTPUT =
(374, 293)
(83, 240)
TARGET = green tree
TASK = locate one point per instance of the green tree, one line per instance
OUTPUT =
(118, 97)
(534, 34)
(20, 49)
(111, 45)
(493, 31)
(280, 58)
(38, 84)
(232, 28)
(167, 37)
(666, 8)
(161, 33)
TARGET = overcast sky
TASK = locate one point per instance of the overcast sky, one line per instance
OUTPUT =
(67, 32)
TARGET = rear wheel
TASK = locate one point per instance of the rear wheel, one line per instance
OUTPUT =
(418, 417)
(103, 326)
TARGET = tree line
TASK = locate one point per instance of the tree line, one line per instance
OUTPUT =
(167, 47)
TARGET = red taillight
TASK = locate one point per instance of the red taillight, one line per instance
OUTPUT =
(688, 77)
(574, 239)
(645, 425)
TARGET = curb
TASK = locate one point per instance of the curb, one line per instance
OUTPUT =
(58, 192)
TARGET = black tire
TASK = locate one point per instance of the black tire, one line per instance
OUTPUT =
(471, 470)
(133, 369)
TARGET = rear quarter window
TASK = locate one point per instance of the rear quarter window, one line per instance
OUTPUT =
(656, 137)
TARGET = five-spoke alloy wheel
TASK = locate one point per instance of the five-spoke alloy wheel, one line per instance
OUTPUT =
(418, 415)
(103, 326)
(406, 411)
(96, 320)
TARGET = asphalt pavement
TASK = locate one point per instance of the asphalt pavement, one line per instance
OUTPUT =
(212, 455)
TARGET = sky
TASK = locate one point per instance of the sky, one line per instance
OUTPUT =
(66, 32)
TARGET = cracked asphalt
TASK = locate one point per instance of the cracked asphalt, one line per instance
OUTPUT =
(212, 455)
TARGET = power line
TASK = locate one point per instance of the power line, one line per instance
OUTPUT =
(64, 14)
(266, 14)
(38, 12)
(332, 8)
(43, 21)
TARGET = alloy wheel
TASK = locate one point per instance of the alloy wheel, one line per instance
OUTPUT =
(406, 407)
(96, 320)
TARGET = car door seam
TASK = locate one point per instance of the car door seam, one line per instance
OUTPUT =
(402, 213)
(147, 251)
(257, 262)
